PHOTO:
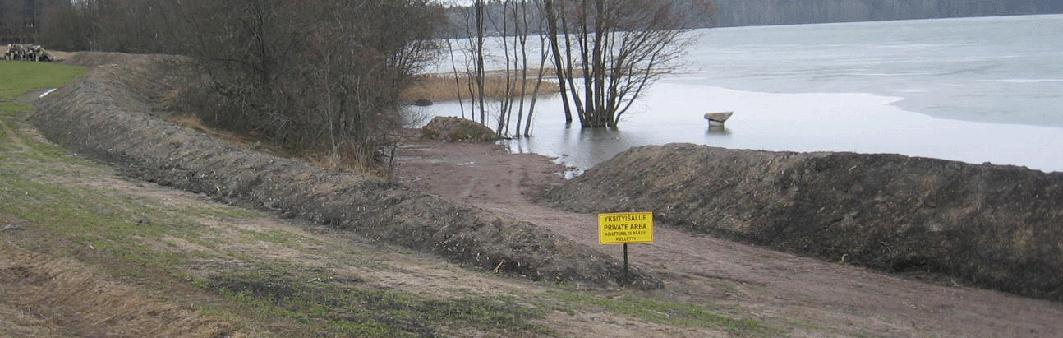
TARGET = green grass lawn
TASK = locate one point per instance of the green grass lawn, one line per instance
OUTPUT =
(19, 78)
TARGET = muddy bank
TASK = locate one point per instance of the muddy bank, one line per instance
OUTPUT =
(992, 226)
(108, 115)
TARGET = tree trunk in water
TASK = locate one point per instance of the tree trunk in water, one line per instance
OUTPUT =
(559, 68)
(480, 59)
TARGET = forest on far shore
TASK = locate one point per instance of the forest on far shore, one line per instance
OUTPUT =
(789, 12)
(730, 13)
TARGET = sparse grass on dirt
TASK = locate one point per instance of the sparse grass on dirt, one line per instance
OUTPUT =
(664, 312)
(441, 87)
(224, 270)
(353, 311)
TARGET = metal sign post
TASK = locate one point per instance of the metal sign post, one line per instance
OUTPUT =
(627, 273)
(625, 228)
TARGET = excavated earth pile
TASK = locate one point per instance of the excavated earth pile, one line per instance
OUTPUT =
(108, 115)
(991, 225)
(456, 129)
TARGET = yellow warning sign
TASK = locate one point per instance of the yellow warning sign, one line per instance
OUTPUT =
(625, 227)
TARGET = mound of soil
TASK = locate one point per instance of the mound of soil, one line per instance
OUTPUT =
(456, 129)
(107, 115)
(994, 226)
(99, 59)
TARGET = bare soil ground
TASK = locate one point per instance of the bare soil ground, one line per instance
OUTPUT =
(809, 296)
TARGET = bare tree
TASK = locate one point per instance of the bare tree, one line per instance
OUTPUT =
(457, 77)
(544, 50)
(505, 32)
(478, 6)
(551, 24)
(613, 50)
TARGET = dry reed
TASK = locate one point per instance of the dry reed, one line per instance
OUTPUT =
(443, 87)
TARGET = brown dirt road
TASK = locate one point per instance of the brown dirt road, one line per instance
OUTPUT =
(813, 296)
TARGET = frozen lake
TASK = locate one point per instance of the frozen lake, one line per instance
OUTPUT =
(974, 90)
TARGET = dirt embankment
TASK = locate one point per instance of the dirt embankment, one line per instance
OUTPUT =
(108, 116)
(993, 226)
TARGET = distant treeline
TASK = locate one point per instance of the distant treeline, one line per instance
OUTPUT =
(20, 20)
(788, 12)
(729, 13)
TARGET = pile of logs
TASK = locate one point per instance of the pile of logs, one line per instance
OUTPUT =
(32, 53)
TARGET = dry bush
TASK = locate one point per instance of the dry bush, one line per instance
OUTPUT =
(321, 76)
(194, 123)
(321, 159)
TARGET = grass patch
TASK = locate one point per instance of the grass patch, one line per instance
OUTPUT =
(270, 236)
(342, 309)
(661, 312)
(97, 219)
(22, 77)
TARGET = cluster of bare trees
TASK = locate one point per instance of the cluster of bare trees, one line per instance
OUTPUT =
(603, 54)
(616, 49)
(312, 76)
(516, 20)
